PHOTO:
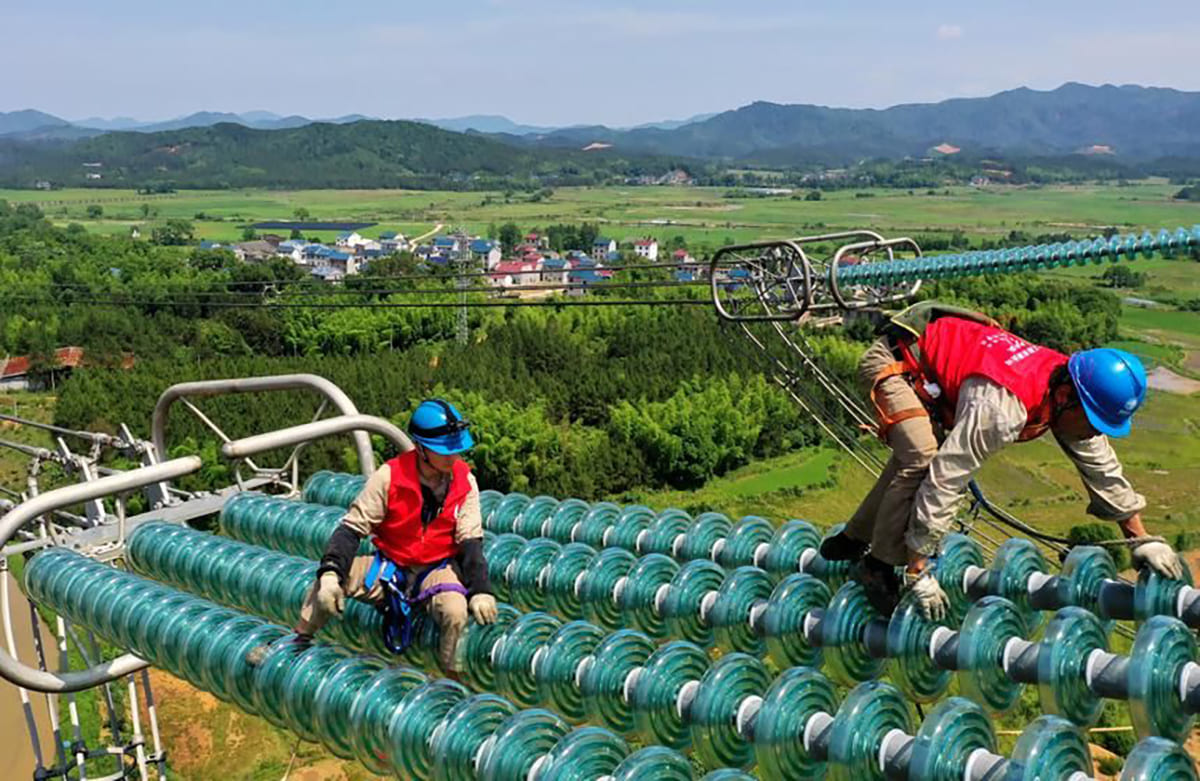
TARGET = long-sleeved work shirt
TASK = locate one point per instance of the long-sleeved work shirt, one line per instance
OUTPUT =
(988, 418)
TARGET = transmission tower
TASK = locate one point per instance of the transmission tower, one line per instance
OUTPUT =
(462, 260)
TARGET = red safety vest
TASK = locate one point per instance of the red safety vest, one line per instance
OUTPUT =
(953, 349)
(401, 536)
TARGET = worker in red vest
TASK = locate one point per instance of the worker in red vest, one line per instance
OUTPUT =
(421, 511)
(938, 369)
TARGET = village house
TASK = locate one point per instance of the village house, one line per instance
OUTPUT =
(487, 252)
(602, 248)
(646, 248)
(555, 271)
(509, 273)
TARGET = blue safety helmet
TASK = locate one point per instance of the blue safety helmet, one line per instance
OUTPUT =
(438, 426)
(1111, 385)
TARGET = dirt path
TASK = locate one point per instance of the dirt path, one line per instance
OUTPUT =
(424, 236)
(17, 759)
(1162, 378)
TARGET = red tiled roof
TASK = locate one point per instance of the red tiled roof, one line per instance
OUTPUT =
(64, 357)
(681, 253)
(644, 242)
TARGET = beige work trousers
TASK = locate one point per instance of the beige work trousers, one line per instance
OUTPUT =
(883, 517)
(448, 609)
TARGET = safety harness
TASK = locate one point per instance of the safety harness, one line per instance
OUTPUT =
(401, 602)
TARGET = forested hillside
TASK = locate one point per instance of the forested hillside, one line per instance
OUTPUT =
(372, 154)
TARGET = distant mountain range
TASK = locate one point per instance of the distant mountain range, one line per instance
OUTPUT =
(1130, 126)
(38, 125)
(1131, 122)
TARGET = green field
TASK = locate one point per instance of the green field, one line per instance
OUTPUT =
(703, 216)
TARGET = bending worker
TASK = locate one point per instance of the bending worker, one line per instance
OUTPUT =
(421, 510)
(984, 388)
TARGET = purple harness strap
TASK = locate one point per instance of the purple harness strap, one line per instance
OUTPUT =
(441, 588)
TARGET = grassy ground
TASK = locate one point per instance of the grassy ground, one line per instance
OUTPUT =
(702, 216)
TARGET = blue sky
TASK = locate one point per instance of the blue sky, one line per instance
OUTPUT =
(563, 62)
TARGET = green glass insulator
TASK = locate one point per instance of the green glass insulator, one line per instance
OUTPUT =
(513, 654)
(793, 698)
(908, 636)
(270, 675)
(463, 731)
(958, 552)
(503, 551)
(559, 579)
(598, 584)
(586, 754)
(414, 719)
(173, 631)
(524, 572)
(506, 512)
(728, 774)
(628, 527)
(989, 625)
(869, 712)
(730, 614)
(1070, 638)
(702, 535)
(473, 657)
(1162, 648)
(1154, 595)
(650, 574)
(198, 636)
(1158, 759)
(531, 520)
(372, 714)
(563, 519)
(314, 487)
(591, 528)
(743, 540)
(785, 546)
(793, 599)
(555, 667)
(846, 658)
(301, 684)
(216, 648)
(681, 608)
(946, 739)
(1016, 559)
(518, 743)
(713, 712)
(660, 535)
(657, 688)
(335, 699)
(488, 499)
(134, 592)
(1050, 747)
(602, 678)
(654, 762)
(237, 675)
(148, 622)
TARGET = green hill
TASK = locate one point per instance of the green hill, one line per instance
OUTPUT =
(367, 154)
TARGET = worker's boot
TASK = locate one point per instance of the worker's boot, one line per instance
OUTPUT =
(256, 655)
(880, 582)
(842, 547)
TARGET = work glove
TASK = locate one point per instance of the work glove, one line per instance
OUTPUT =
(483, 608)
(1159, 557)
(932, 601)
(330, 596)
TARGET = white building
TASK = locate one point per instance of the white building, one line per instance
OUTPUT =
(646, 248)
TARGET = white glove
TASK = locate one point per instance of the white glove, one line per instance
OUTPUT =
(1159, 557)
(929, 595)
(483, 608)
(330, 596)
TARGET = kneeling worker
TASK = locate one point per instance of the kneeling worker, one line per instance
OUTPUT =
(421, 510)
(986, 388)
